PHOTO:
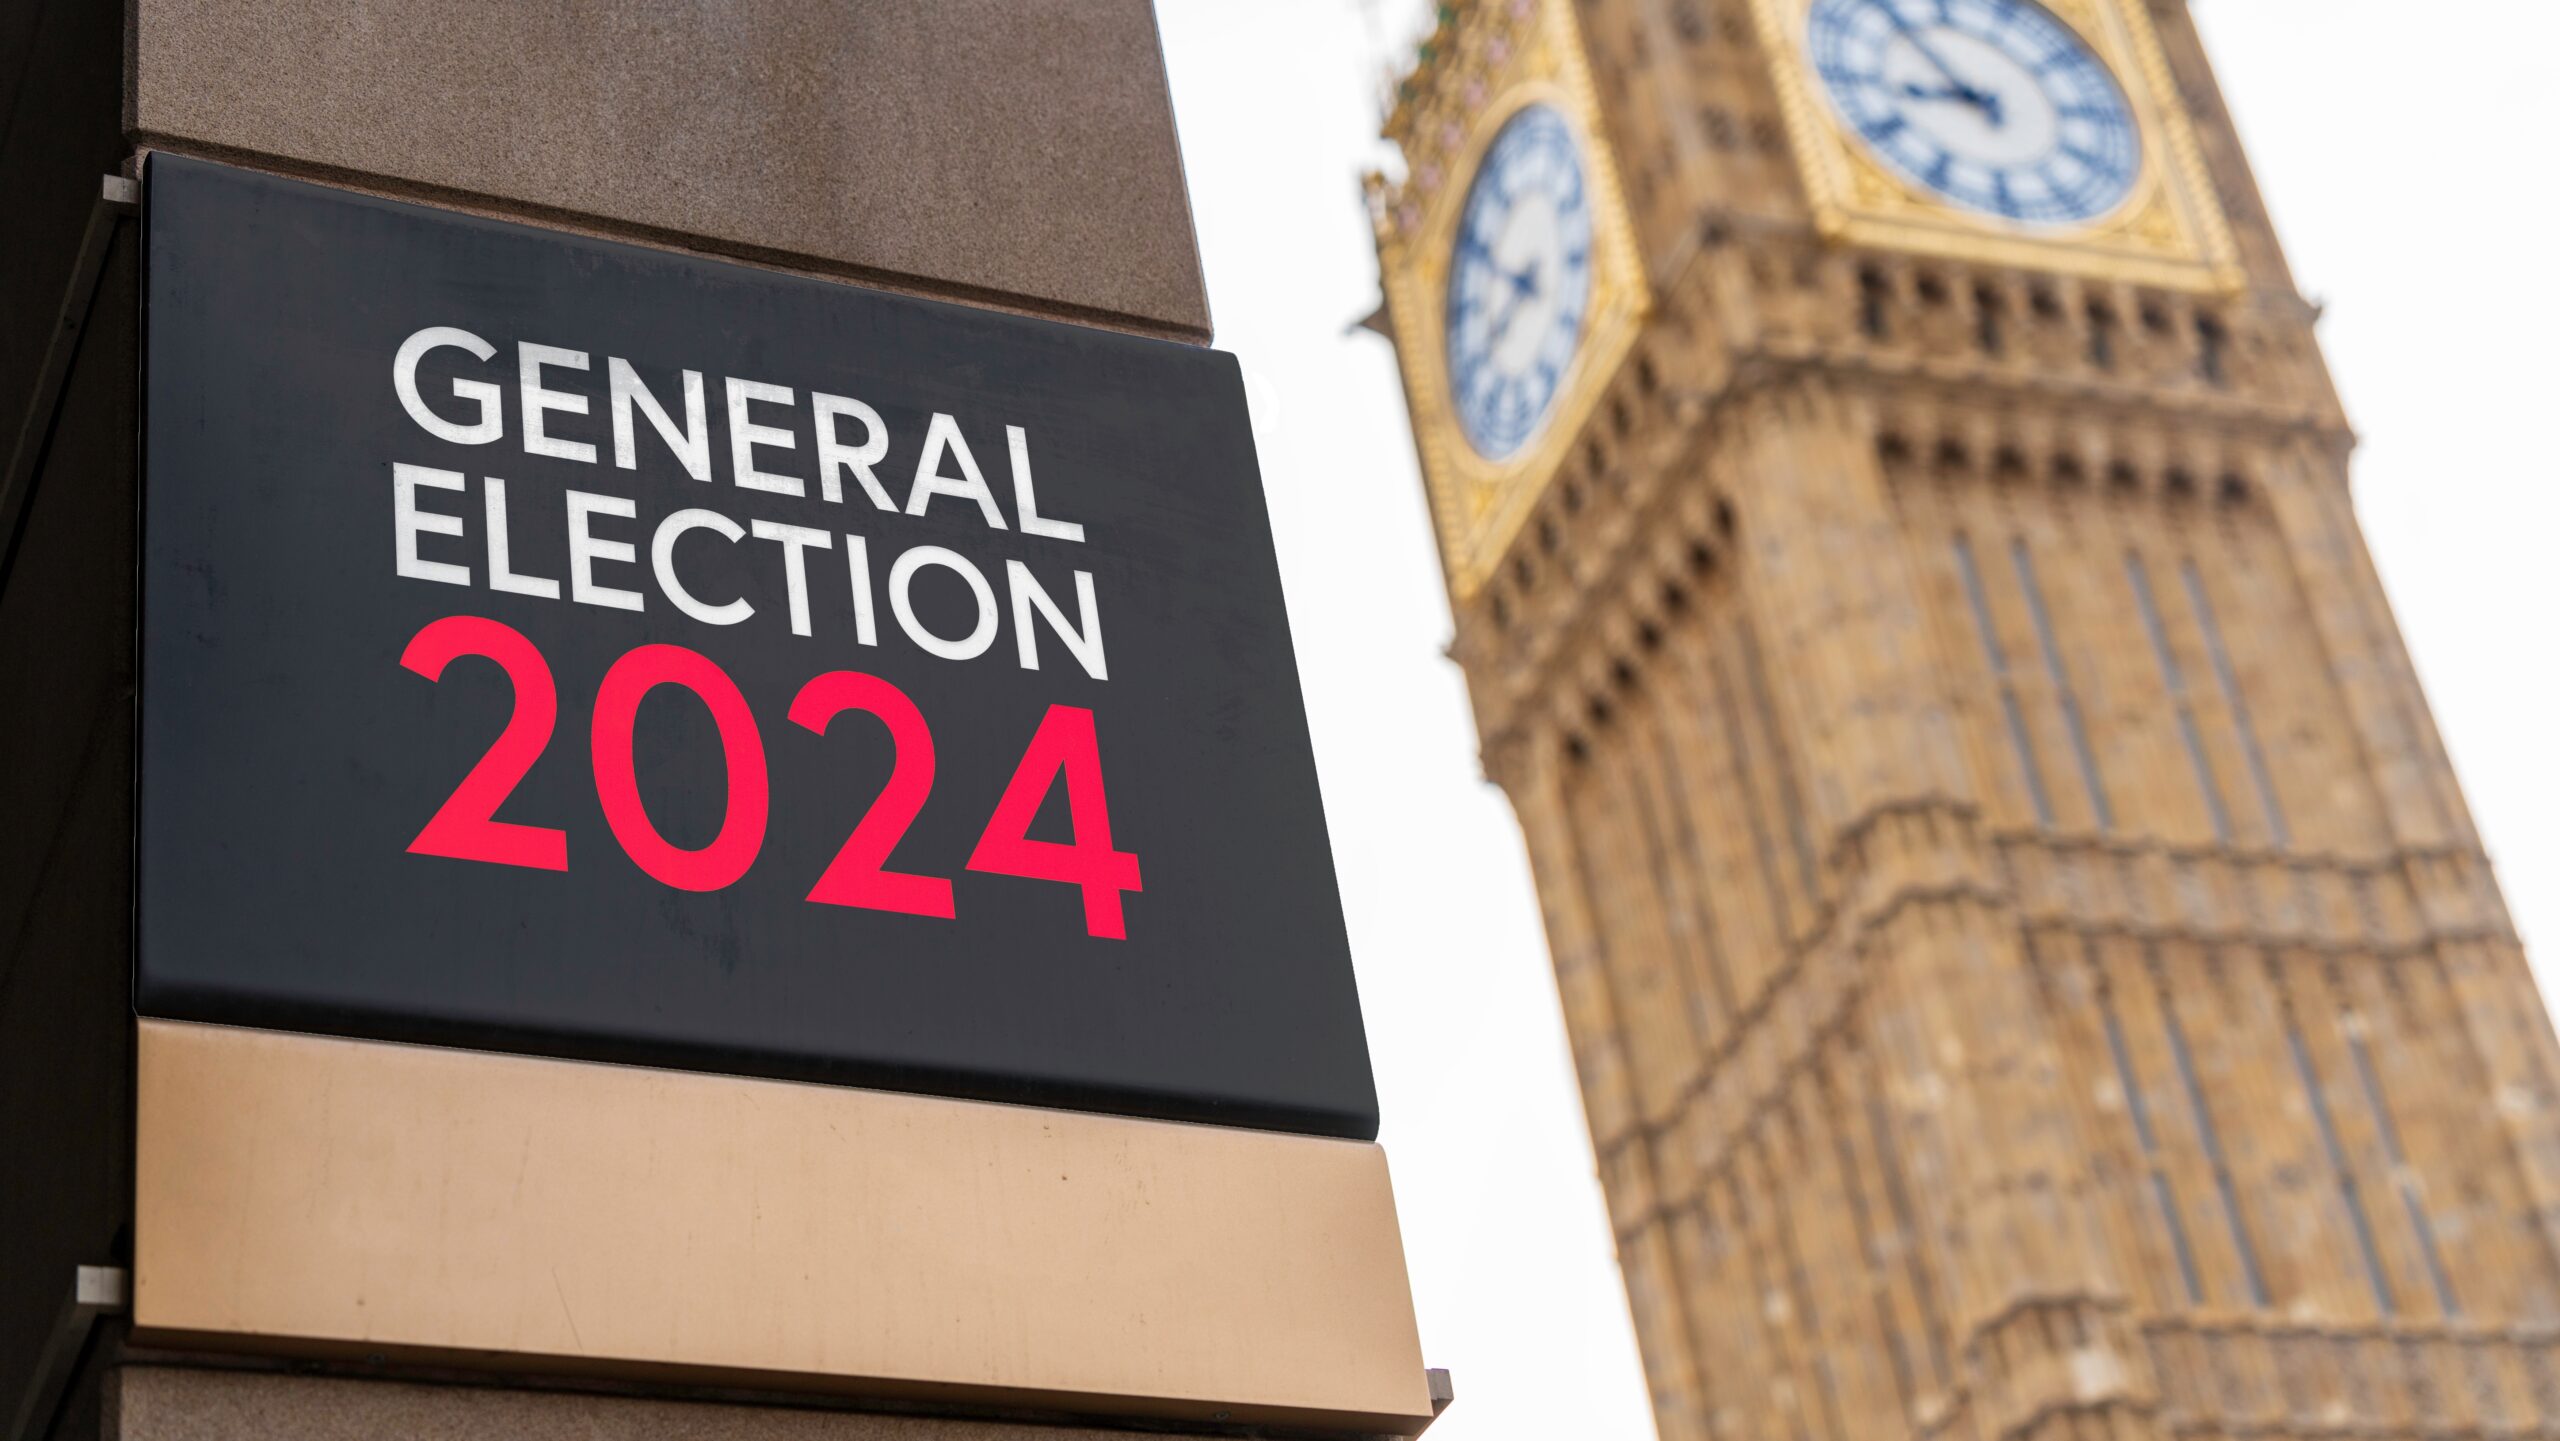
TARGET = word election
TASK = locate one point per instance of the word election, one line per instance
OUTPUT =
(849, 443)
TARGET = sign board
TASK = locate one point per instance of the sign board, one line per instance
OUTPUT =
(560, 646)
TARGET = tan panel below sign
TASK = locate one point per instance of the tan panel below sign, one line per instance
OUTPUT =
(319, 1196)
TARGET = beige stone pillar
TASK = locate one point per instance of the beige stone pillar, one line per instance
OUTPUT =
(1016, 155)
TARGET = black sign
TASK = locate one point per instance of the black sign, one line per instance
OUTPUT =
(561, 646)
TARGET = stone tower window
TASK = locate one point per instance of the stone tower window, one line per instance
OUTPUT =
(2339, 1168)
(1874, 291)
(2175, 681)
(2102, 335)
(2212, 341)
(2164, 1193)
(1989, 314)
(2411, 1199)
(2236, 703)
(2021, 742)
(2208, 1137)
(2058, 678)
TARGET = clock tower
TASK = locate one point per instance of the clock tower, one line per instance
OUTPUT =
(2030, 966)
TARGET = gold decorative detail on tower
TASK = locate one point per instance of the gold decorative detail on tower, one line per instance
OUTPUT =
(1534, 56)
(2169, 231)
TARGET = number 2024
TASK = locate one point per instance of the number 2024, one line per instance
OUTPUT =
(465, 827)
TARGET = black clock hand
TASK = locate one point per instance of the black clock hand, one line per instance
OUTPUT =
(1524, 288)
(1957, 86)
(1501, 326)
(1982, 100)
(1930, 53)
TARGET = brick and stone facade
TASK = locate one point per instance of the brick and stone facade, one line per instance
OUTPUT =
(2030, 966)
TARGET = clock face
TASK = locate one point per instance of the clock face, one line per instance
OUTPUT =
(1519, 282)
(1993, 104)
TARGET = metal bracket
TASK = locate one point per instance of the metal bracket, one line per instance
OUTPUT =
(95, 1291)
(1443, 1391)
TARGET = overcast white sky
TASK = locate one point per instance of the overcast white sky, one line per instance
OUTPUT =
(2400, 148)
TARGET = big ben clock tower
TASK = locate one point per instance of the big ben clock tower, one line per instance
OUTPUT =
(2030, 966)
